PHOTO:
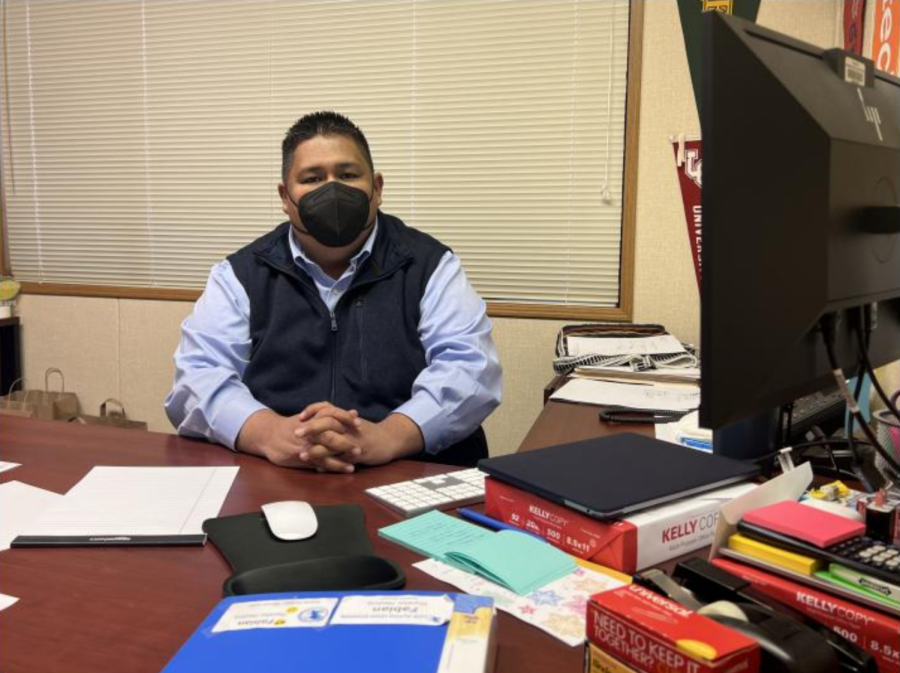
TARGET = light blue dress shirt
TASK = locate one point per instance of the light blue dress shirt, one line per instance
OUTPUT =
(452, 396)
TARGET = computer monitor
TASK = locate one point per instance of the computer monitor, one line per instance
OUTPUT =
(801, 219)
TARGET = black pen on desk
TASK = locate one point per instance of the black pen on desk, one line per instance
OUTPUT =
(493, 524)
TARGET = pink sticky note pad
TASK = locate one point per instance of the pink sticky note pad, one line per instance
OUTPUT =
(809, 524)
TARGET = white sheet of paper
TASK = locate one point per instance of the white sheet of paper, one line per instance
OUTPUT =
(596, 371)
(4, 466)
(633, 396)
(652, 345)
(6, 601)
(667, 432)
(21, 505)
(138, 501)
(689, 426)
(559, 608)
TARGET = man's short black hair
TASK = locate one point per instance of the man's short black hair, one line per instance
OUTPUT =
(325, 123)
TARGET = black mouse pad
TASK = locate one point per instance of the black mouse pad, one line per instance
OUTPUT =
(247, 543)
(329, 573)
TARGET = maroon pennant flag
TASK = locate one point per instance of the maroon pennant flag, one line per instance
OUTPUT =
(689, 163)
(854, 25)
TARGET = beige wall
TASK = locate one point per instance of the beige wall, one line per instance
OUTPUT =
(123, 348)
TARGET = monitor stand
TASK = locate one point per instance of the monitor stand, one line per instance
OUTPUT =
(750, 439)
(759, 436)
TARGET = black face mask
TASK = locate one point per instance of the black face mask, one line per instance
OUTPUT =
(335, 214)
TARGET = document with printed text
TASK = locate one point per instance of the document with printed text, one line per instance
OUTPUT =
(652, 345)
(124, 506)
(632, 395)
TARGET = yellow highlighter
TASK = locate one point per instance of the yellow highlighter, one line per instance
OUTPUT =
(781, 558)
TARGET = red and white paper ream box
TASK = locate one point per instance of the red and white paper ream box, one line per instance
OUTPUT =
(630, 544)
(874, 631)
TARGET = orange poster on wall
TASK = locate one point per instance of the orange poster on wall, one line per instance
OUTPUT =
(886, 36)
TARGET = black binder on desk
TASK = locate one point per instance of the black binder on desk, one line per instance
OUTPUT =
(610, 477)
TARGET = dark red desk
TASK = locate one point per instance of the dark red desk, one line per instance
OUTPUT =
(121, 610)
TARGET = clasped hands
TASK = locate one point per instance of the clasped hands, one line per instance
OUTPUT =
(327, 438)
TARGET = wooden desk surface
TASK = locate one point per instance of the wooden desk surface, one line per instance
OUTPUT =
(124, 610)
(562, 422)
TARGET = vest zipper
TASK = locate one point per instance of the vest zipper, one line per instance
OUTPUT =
(333, 355)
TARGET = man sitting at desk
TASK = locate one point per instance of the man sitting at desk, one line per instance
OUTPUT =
(341, 303)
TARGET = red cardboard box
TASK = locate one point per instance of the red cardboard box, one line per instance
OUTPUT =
(651, 633)
(638, 541)
(874, 631)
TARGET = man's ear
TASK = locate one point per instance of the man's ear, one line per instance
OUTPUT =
(285, 199)
(379, 185)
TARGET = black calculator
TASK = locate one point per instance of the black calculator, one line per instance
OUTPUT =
(865, 555)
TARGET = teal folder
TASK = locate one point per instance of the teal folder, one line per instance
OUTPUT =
(342, 632)
(515, 560)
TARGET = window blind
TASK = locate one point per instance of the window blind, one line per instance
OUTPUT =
(141, 139)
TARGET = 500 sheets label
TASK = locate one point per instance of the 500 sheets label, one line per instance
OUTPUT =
(293, 613)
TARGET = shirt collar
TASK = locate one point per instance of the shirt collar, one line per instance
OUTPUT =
(303, 261)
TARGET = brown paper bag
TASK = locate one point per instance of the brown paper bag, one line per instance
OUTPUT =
(112, 417)
(13, 407)
(49, 405)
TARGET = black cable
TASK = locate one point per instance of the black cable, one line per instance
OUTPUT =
(826, 443)
(861, 370)
(838, 473)
(857, 391)
(785, 428)
(818, 434)
(831, 457)
(828, 332)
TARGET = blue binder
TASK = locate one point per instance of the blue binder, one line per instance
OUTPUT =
(311, 640)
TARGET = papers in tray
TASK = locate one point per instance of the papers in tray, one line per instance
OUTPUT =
(632, 395)
(133, 506)
(645, 345)
(686, 375)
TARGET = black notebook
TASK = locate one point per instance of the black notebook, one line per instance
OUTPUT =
(609, 477)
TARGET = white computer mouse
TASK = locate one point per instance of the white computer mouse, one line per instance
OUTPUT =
(291, 519)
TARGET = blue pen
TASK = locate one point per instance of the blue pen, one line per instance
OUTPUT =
(493, 524)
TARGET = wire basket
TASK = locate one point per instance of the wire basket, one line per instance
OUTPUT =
(887, 431)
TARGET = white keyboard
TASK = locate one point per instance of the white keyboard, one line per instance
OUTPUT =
(442, 491)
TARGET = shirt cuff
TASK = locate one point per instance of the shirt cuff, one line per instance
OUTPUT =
(231, 416)
(422, 410)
